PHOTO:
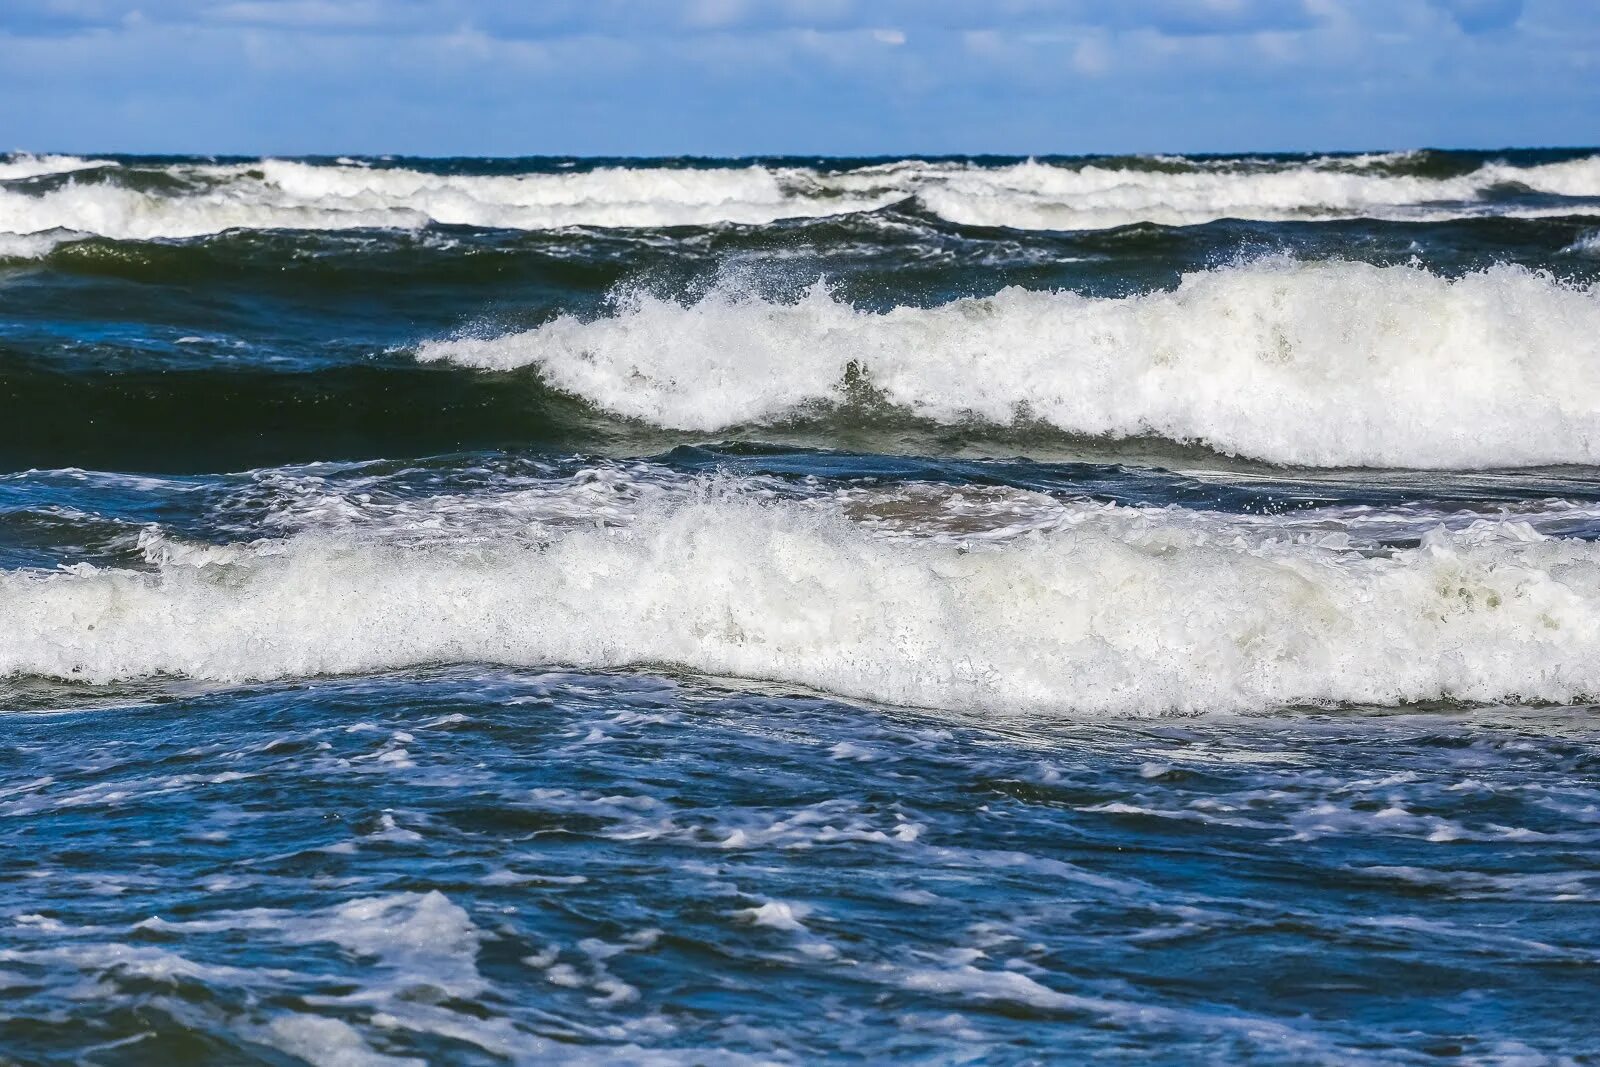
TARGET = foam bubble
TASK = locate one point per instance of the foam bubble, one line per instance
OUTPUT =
(1320, 364)
(1114, 611)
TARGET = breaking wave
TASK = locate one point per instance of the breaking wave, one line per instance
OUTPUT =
(1315, 364)
(22, 165)
(1107, 611)
(174, 200)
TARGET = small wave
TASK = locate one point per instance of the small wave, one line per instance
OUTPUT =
(1315, 364)
(192, 199)
(1110, 611)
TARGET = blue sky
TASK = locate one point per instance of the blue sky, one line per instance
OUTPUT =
(729, 77)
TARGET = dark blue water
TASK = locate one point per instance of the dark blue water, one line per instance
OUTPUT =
(472, 865)
(800, 611)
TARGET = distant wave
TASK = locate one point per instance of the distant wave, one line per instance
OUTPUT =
(1108, 611)
(144, 201)
(1310, 363)
(1041, 196)
(22, 165)
(300, 196)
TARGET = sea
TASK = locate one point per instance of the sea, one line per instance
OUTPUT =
(954, 610)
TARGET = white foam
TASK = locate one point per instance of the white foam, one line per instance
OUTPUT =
(1587, 244)
(1573, 177)
(530, 500)
(31, 245)
(232, 202)
(301, 196)
(969, 982)
(1322, 364)
(1040, 196)
(25, 165)
(1035, 195)
(293, 195)
(777, 915)
(1114, 611)
(423, 937)
(325, 1042)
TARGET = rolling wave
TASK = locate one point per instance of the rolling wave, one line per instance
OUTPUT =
(1103, 611)
(143, 200)
(21, 165)
(1329, 364)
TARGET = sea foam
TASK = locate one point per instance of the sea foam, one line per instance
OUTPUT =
(279, 194)
(1110, 611)
(21, 165)
(1311, 363)
(1034, 195)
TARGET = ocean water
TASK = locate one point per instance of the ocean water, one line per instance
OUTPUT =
(800, 610)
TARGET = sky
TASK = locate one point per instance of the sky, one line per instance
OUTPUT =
(748, 77)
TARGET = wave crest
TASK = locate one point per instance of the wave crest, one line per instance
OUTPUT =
(147, 201)
(22, 165)
(1315, 364)
(1112, 611)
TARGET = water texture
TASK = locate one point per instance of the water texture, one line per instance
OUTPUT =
(800, 610)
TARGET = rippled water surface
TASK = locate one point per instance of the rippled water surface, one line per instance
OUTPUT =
(471, 865)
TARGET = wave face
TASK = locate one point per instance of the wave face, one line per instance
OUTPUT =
(1316, 364)
(136, 200)
(1101, 610)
